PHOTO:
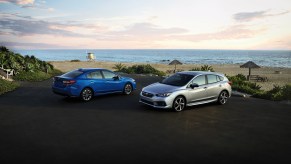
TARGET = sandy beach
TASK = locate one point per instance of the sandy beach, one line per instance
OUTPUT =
(281, 77)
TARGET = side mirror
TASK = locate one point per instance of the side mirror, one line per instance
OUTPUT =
(194, 85)
(116, 77)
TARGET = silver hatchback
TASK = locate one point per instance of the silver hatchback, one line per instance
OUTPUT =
(186, 89)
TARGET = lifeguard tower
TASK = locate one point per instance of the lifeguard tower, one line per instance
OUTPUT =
(90, 56)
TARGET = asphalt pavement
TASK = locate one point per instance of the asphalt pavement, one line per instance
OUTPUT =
(37, 126)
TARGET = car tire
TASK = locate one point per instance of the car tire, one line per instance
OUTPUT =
(127, 89)
(222, 98)
(179, 104)
(86, 94)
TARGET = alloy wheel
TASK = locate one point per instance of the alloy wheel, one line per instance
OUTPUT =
(127, 89)
(179, 104)
(87, 94)
(223, 97)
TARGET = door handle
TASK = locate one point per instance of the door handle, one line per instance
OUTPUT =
(205, 87)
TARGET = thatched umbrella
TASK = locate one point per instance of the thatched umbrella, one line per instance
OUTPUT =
(175, 62)
(250, 65)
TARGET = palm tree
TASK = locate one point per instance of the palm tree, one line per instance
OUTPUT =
(207, 68)
(36, 62)
(29, 67)
(3, 60)
(11, 60)
(4, 49)
(20, 60)
(119, 67)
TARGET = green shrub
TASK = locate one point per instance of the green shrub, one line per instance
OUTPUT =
(119, 67)
(32, 76)
(237, 78)
(203, 68)
(75, 60)
(6, 86)
(239, 84)
(207, 68)
(277, 93)
(286, 92)
(19, 63)
(142, 69)
(195, 69)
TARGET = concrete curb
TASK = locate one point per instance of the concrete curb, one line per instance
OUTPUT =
(240, 94)
(287, 102)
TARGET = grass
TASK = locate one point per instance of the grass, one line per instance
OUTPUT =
(7, 86)
(36, 76)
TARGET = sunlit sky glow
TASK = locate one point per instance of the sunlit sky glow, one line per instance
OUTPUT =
(146, 24)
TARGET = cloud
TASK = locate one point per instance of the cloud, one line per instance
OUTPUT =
(144, 31)
(29, 4)
(249, 16)
(18, 2)
(232, 32)
(25, 45)
(25, 25)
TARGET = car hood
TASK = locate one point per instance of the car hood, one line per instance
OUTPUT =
(161, 88)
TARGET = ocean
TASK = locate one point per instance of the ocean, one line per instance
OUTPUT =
(273, 58)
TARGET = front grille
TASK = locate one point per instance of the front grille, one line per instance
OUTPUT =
(157, 103)
(146, 94)
(161, 103)
(146, 101)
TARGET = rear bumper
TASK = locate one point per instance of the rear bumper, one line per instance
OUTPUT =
(67, 91)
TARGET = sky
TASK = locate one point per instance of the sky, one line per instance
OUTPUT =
(146, 24)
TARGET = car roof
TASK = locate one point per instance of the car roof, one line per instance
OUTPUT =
(195, 73)
(90, 69)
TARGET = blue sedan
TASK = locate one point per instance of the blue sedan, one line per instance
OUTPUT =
(88, 82)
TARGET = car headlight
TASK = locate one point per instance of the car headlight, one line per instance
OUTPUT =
(163, 94)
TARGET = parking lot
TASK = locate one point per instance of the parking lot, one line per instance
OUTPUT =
(39, 127)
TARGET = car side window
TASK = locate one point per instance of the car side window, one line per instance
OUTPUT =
(200, 80)
(211, 79)
(219, 78)
(108, 74)
(95, 75)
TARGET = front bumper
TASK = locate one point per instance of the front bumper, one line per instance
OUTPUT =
(157, 102)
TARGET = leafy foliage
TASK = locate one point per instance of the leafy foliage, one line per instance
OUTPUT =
(26, 67)
(32, 76)
(203, 68)
(119, 67)
(19, 63)
(36, 75)
(139, 69)
(195, 69)
(75, 60)
(207, 68)
(6, 86)
(278, 93)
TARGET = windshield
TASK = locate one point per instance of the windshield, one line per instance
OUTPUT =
(177, 79)
(72, 74)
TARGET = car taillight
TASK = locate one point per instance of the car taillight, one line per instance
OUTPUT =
(230, 83)
(69, 82)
